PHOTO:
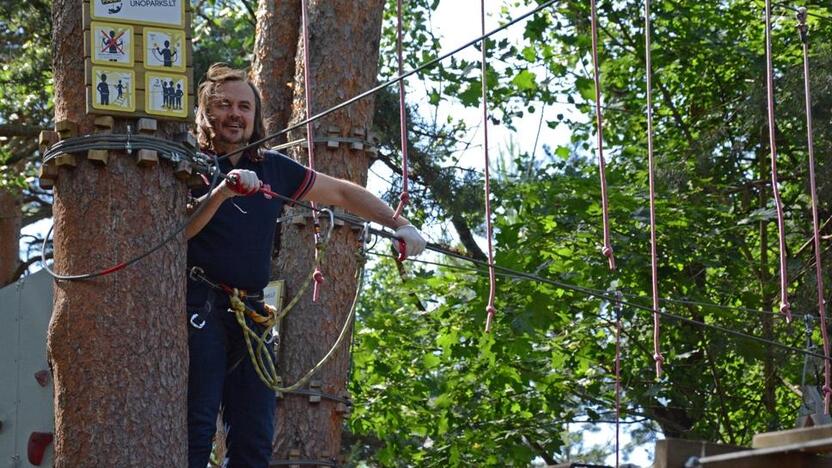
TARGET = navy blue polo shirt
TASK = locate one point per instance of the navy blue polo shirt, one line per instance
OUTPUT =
(235, 246)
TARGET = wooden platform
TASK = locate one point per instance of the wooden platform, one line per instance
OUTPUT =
(795, 448)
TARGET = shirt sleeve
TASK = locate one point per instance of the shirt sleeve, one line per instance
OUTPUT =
(292, 179)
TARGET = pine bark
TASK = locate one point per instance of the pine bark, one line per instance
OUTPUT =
(10, 222)
(117, 344)
(344, 42)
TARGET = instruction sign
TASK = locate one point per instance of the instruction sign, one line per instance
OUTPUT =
(164, 49)
(158, 12)
(113, 89)
(166, 95)
(111, 44)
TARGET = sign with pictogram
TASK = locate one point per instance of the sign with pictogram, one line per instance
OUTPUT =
(155, 12)
(111, 44)
(164, 49)
(137, 59)
(166, 94)
(114, 89)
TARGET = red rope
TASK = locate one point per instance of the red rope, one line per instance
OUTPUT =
(310, 143)
(617, 374)
(405, 196)
(607, 249)
(785, 308)
(804, 36)
(492, 281)
(654, 269)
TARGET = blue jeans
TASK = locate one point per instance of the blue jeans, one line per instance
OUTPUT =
(221, 374)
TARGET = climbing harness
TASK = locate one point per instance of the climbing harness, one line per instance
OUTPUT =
(654, 268)
(405, 196)
(489, 231)
(257, 342)
(317, 276)
(599, 123)
(803, 29)
(785, 307)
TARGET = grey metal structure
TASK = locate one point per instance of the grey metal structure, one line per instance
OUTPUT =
(25, 381)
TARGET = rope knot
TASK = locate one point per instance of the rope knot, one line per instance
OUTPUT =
(786, 309)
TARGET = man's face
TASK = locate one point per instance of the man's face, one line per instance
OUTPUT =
(232, 112)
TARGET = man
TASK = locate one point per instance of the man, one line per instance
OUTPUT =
(231, 241)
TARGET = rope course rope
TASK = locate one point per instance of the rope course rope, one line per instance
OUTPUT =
(651, 166)
(307, 86)
(785, 307)
(803, 29)
(490, 310)
(599, 124)
(405, 196)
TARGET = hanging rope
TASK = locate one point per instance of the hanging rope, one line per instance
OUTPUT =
(489, 232)
(785, 307)
(804, 38)
(310, 144)
(405, 196)
(618, 297)
(654, 269)
(607, 249)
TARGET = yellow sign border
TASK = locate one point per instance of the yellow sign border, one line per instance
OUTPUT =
(181, 24)
(132, 89)
(182, 113)
(131, 61)
(146, 49)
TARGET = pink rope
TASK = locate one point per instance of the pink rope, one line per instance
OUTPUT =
(654, 269)
(617, 375)
(785, 308)
(607, 249)
(492, 281)
(404, 198)
(804, 36)
(310, 144)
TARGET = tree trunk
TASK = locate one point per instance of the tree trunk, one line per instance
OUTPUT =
(117, 344)
(273, 70)
(344, 43)
(10, 221)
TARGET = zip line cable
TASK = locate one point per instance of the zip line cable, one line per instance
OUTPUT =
(605, 295)
(392, 81)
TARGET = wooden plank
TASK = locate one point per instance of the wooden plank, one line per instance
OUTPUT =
(674, 453)
(792, 455)
(792, 436)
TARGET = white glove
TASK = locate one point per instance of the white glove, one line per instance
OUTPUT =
(414, 242)
(244, 182)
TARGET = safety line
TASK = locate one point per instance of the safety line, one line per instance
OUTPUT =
(651, 163)
(317, 276)
(611, 298)
(785, 307)
(490, 310)
(405, 196)
(803, 29)
(599, 123)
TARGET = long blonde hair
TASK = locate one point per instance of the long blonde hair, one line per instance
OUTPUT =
(216, 75)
